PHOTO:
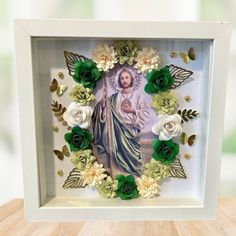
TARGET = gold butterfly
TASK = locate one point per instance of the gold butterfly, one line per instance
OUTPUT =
(190, 56)
(59, 89)
(60, 154)
(185, 139)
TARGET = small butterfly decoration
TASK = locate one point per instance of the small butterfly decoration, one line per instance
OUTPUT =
(191, 55)
(60, 89)
(60, 154)
(185, 139)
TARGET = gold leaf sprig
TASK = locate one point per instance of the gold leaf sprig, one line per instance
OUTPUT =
(58, 111)
(187, 115)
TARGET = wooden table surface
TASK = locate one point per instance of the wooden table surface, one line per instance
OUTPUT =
(12, 223)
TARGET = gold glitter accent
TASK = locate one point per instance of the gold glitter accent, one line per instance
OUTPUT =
(60, 173)
(173, 54)
(187, 98)
(61, 75)
(187, 156)
(55, 128)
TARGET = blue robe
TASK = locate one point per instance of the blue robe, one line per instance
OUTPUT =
(125, 139)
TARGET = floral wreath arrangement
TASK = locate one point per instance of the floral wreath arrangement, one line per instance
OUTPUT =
(161, 83)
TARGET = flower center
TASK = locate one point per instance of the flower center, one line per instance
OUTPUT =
(87, 75)
(166, 151)
(127, 188)
(170, 126)
(165, 102)
(76, 139)
(104, 58)
(160, 81)
(125, 51)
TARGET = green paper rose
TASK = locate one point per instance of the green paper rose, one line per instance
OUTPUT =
(127, 188)
(165, 151)
(156, 170)
(159, 80)
(108, 187)
(79, 139)
(165, 103)
(126, 51)
(87, 73)
(83, 159)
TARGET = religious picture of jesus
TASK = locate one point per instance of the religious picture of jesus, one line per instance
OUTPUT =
(117, 124)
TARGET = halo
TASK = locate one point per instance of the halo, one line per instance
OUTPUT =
(112, 76)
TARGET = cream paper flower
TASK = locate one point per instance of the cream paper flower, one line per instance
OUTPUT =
(78, 115)
(147, 60)
(168, 126)
(147, 187)
(94, 175)
(104, 56)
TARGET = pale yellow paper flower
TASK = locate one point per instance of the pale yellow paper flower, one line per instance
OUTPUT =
(83, 159)
(104, 56)
(108, 187)
(94, 175)
(147, 187)
(147, 60)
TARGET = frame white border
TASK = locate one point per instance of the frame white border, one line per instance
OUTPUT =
(26, 29)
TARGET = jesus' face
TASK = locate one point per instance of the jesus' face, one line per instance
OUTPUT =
(125, 80)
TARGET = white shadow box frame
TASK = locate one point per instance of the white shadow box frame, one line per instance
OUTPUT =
(41, 202)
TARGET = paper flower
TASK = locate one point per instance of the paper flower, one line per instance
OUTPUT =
(168, 126)
(126, 51)
(147, 60)
(127, 188)
(108, 187)
(83, 159)
(94, 175)
(159, 80)
(104, 56)
(165, 102)
(81, 94)
(156, 170)
(165, 151)
(147, 187)
(87, 73)
(79, 139)
(77, 115)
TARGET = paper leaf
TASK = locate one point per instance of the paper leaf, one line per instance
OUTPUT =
(74, 180)
(179, 74)
(71, 59)
(187, 115)
(58, 111)
(177, 170)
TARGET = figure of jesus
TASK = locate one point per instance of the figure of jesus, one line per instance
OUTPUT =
(117, 124)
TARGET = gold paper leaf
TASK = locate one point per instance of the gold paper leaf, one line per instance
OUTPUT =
(179, 74)
(71, 59)
(187, 115)
(177, 170)
(74, 180)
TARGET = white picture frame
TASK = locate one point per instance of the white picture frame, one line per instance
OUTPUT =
(70, 209)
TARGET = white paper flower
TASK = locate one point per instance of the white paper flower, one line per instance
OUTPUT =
(104, 56)
(168, 126)
(78, 115)
(147, 59)
(147, 187)
(94, 175)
